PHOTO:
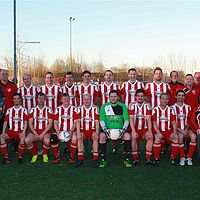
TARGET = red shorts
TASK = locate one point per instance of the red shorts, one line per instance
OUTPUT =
(88, 133)
(13, 134)
(166, 135)
(141, 133)
(40, 132)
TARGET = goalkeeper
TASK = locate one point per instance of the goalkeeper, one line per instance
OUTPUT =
(114, 115)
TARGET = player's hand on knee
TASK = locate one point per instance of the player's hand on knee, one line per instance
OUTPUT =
(149, 136)
(158, 136)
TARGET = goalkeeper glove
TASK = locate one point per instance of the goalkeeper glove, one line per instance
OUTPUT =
(121, 132)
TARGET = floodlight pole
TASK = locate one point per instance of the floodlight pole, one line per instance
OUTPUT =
(71, 19)
(15, 45)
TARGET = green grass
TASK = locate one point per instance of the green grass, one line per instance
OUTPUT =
(49, 181)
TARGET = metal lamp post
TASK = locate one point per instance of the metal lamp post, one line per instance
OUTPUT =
(71, 19)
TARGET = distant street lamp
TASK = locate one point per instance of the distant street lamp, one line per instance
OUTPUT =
(15, 39)
(71, 19)
(19, 52)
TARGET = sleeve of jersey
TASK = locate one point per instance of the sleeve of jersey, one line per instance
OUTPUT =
(148, 111)
(131, 111)
(26, 117)
(189, 116)
(56, 115)
(99, 93)
(59, 97)
(6, 116)
(30, 115)
(119, 89)
(169, 91)
(154, 115)
(96, 116)
(102, 116)
(96, 94)
(78, 114)
(143, 86)
(147, 90)
(125, 113)
(15, 89)
(77, 97)
(193, 121)
(50, 114)
(172, 115)
(123, 92)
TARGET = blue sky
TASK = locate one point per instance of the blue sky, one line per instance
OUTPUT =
(115, 32)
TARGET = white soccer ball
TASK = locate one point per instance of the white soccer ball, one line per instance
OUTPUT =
(114, 134)
(64, 136)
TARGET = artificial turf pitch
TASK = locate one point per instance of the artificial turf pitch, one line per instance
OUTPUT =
(42, 181)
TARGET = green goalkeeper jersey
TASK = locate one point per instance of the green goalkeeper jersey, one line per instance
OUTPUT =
(114, 116)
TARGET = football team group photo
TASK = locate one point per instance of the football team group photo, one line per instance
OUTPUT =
(166, 116)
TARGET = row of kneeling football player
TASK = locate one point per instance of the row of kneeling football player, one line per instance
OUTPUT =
(75, 125)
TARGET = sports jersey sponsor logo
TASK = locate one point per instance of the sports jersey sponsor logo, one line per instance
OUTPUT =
(28, 97)
(163, 119)
(41, 118)
(114, 118)
(106, 94)
(157, 93)
(140, 116)
(181, 116)
(131, 92)
(87, 119)
(66, 117)
(16, 119)
(50, 97)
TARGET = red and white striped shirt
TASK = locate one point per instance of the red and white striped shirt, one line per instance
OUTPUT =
(90, 89)
(73, 93)
(16, 118)
(52, 95)
(41, 117)
(88, 116)
(163, 118)
(128, 90)
(104, 91)
(28, 96)
(65, 117)
(139, 113)
(182, 114)
(154, 90)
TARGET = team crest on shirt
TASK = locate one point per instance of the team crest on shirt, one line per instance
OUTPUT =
(9, 89)
(193, 92)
